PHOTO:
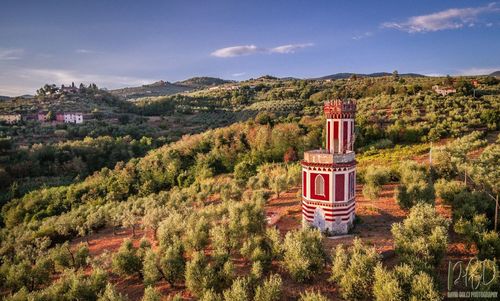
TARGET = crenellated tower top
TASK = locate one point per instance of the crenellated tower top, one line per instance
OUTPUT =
(340, 109)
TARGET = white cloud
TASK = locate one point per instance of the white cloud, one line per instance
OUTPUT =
(478, 71)
(85, 51)
(362, 36)
(7, 54)
(238, 74)
(236, 51)
(290, 48)
(452, 18)
(252, 49)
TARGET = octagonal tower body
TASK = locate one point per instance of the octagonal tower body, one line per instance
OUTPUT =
(329, 175)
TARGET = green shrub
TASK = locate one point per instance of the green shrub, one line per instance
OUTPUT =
(150, 294)
(421, 239)
(415, 186)
(126, 262)
(353, 270)
(312, 296)
(172, 263)
(304, 255)
(110, 294)
(269, 290)
(239, 290)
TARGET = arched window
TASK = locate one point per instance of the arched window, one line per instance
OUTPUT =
(319, 185)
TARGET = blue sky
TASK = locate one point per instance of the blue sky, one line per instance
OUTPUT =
(123, 43)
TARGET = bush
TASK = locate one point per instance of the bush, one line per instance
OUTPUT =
(304, 255)
(126, 262)
(312, 296)
(447, 190)
(375, 177)
(110, 294)
(202, 276)
(173, 264)
(150, 294)
(415, 186)
(423, 288)
(489, 245)
(473, 229)
(353, 271)
(150, 271)
(239, 290)
(421, 238)
(269, 290)
(403, 284)
(386, 286)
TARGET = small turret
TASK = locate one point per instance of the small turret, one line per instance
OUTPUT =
(340, 125)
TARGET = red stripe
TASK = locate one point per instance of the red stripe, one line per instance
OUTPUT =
(328, 135)
(328, 209)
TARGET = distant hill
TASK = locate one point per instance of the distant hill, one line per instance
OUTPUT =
(2, 98)
(496, 73)
(161, 88)
(202, 82)
(377, 74)
(155, 89)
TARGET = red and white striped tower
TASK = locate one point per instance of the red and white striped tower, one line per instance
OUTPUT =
(329, 175)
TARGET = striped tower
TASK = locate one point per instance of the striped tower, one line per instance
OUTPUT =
(329, 175)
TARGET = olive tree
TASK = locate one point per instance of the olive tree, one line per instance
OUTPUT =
(421, 239)
(353, 270)
(303, 253)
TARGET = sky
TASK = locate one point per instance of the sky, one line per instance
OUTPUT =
(128, 43)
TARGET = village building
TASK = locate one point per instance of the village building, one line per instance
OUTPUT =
(41, 116)
(10, 118)
(69, 89)
(329, 175)
(73, 117)
(60, 117)
(444, 91)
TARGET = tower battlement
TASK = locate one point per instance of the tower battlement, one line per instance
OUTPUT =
(339, 109)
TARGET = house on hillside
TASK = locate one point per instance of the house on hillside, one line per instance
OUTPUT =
(70, 89)
(60, 117)
(444, 91)
(41, 116)
(10, 118)
(73, 117)
(475, 83)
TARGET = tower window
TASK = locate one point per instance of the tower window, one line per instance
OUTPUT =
(319, 185)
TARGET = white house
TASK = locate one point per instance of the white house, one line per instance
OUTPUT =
(73, 117)
(444, 91)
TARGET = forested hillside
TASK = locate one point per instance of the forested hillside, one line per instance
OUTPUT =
(187, 184)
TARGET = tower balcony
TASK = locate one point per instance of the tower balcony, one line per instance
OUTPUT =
(324, 156)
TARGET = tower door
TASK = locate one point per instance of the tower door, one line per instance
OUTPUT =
(319, 219)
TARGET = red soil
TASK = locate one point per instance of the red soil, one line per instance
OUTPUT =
(376, 218)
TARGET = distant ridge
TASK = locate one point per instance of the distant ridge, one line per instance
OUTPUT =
(496, 73)
(203, 81)
(377, 74)
(161, 88)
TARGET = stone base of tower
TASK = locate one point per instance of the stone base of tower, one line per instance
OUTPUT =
(336, 220)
